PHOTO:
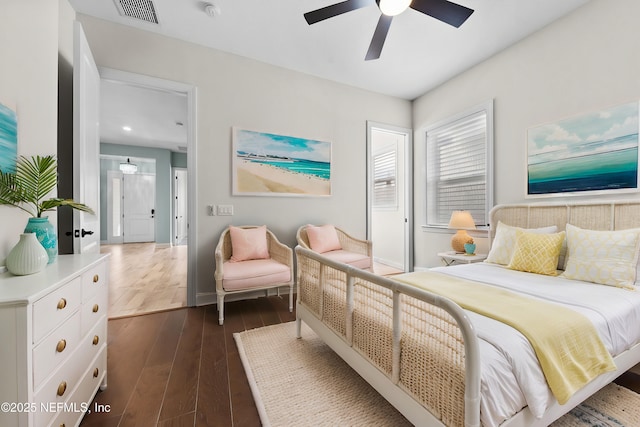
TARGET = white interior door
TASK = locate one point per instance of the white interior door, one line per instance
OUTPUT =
(180, 206)
(139, 191)
(86, 144)
(389, 173)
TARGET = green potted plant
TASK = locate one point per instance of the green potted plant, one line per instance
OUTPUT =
(26, 188)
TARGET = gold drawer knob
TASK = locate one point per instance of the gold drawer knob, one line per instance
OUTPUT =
(62, 303)
(62, 344)
(62, 388)
(95, 308)
(96, 278)
(63, 425)
(96, 372)
(96, 340)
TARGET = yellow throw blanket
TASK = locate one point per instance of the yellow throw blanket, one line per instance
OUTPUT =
(567, 344)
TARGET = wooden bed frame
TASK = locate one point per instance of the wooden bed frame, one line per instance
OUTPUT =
(316, 307)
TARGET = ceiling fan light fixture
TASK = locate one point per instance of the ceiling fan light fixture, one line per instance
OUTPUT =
(393, 7)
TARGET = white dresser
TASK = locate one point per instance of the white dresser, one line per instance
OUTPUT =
(53, 341)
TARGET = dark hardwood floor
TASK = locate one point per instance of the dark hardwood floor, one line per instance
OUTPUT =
(180, 368)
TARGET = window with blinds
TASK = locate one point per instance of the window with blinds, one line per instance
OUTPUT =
(385, 188)
(459, 163)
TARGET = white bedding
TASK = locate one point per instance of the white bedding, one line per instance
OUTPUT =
(511, 377)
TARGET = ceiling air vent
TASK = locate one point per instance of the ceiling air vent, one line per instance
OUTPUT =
(143, 10)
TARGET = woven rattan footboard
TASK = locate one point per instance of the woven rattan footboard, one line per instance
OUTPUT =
(417, 349)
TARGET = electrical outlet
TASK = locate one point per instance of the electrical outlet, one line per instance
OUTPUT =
(211, 210)
(225, 209)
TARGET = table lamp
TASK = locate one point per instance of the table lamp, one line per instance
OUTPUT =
(461, 221)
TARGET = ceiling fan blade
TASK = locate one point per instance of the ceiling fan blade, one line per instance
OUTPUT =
(379, 36)
(334, 10)
(443, 10)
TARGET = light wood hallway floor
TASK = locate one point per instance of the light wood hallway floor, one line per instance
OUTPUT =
(144, 278)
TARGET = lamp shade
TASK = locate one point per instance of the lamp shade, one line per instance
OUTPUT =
(461, 220)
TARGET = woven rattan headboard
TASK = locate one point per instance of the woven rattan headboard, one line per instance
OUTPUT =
(605, 215)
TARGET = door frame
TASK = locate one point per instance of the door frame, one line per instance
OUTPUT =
(192, 191)
(174, 212)
(408, 187)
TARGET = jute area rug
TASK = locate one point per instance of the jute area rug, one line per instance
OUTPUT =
(304, 383)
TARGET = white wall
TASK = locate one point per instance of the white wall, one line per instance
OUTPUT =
(586, 61)
(236, 91)
(28, 82)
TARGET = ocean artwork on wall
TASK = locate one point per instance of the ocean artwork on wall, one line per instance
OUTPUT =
(266, 164)
(8, 139)
(593, 152)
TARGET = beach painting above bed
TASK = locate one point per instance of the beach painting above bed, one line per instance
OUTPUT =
(592, 152)
(8, 139)
(266, 164)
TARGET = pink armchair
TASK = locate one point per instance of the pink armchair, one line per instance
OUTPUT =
(251, 258)
(336, 244)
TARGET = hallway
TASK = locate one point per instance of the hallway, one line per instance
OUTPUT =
(144, 279)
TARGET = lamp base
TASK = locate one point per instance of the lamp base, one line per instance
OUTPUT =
(459, 239)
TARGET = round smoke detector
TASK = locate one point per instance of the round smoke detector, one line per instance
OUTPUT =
(211, 9)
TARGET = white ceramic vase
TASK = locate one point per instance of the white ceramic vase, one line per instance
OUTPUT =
(27, 256)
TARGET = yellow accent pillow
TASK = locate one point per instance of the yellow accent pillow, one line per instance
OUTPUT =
(604, 257)
(537, 253)
(505, 240)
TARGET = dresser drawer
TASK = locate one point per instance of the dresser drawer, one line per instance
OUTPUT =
(82, 396)
(94, 309)
(92, 343)
(59, 386)
(53, 350)
(51, 310)
(93, 280)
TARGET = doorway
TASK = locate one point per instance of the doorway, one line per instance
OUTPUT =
(164, 87)
(389, 201)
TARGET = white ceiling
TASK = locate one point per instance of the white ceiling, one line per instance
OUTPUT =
(420, 52)
(156, 118)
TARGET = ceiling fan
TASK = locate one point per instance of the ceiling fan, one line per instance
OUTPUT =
(443, 10)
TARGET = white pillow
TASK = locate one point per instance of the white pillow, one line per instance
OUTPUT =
(505, 240)
(604, 257)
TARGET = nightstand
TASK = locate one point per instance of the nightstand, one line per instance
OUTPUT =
(451, 258)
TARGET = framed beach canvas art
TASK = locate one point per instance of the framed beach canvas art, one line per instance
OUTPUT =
(266, 164)
(8, 139)
(591, 153)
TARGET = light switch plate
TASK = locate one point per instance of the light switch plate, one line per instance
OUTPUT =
(225, 209)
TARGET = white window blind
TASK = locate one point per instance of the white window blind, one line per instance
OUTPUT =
(459, 167)
(385, 188)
